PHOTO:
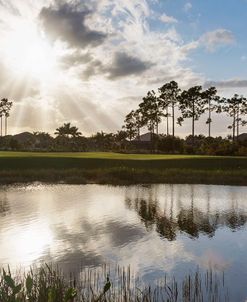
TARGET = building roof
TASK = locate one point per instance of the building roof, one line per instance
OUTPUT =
(242, 137)
(24, 137)
(146, 137)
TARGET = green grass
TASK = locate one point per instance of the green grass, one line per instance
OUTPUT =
(108, 155)
(116, 168)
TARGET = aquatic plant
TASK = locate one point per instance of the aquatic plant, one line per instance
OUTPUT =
(49, 284)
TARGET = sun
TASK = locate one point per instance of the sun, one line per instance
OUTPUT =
(28, 53)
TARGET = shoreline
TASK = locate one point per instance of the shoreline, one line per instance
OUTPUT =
(121, 169)
(124, 176)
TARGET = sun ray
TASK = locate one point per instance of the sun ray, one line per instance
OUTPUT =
(29, 53)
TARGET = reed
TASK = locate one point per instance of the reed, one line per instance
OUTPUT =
(49, 284)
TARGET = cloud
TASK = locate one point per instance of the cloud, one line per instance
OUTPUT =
(122, 65)
(211, 40)
(10, 7)
(75, 58)
(84, 64)
(94, 68)
(67, 22)
(234, 83)
(125, 65)
(108, 55)
(187, 6)
(167, 19)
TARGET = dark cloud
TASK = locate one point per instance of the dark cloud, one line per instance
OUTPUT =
(75, 59)
(91, 66)
(227, 84)
(95, 67)
(67, 23)
(125, 65)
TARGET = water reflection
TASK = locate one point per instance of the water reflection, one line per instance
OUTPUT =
(186, 216)
(4, 205)
(155, 229)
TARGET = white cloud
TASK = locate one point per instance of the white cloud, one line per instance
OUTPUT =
(187, 6)
(218, 37)
(168, 19)
(85, 94)
(233, 83)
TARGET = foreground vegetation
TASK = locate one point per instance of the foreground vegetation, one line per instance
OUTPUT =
(115, 168)
(50, 285)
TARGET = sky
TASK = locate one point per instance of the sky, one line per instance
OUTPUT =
(91, 62)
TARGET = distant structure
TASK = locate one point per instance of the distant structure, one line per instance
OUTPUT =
(147, 137)
(242, 137)
(144, 141)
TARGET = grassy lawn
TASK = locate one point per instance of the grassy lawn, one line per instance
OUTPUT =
(106, 167)
(101, 155)
(90, 160)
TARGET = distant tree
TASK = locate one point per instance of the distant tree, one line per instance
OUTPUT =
(14, 144)
(121, 135)
(170, 144)
(151, 112)
(5, 107)
(103, 141)
(130, 125)
(67, 131)
(1, 116)
(169, 94)
(121, 139)
(43, 140)
(236, 108)
(139, 122)
(191, 105)
(212, 101)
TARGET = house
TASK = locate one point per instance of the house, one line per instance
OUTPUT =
(242, 137)
(144, 141)
(24, 138)
(147, 137)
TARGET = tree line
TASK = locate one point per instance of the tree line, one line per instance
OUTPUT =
(187, 104)
(5, 107)
(170, 104)
(68, 138)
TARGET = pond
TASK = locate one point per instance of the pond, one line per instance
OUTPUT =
(156, 229)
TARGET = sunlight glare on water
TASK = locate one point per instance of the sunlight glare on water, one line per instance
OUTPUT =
(155, 229)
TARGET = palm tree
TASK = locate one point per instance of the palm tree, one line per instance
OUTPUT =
(169, 94)
(67, 131)
(5, 107)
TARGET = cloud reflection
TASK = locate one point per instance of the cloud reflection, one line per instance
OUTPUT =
(160, 228)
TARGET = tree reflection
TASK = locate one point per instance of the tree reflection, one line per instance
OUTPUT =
(190, 219)
(4, 205)
(166, 228)
(235, 220)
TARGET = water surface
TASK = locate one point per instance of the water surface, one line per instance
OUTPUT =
(156, 229)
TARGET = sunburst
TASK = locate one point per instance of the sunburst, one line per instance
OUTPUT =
(28, 53)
